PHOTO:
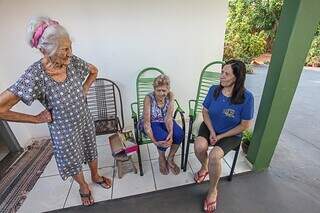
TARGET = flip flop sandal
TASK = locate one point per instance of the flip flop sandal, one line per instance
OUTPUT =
(200, 178)
(207, 205)
(86, 196)
(104, 182)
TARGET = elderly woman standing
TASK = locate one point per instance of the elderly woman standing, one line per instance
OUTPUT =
(158, 124)
(60, 82)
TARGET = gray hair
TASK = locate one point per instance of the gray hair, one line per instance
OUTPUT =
(161, 80)
(49, 41)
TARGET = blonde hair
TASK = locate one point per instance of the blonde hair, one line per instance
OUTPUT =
(161, 80)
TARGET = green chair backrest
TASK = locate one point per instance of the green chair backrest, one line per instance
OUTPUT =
(210, 75)
(144, 85)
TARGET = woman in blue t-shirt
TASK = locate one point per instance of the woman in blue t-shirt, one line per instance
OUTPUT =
(227, 112)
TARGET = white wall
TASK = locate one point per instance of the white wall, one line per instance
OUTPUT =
(120, 37)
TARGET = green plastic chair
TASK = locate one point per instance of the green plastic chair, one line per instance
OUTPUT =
(209, 76)
(144, 85)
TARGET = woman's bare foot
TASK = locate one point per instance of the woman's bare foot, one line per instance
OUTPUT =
(85, 194)
(173, 167)
(210, 203)
(163, 166)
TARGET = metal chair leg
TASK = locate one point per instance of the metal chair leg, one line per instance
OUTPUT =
(136, 134)
(234, 163)
(184, 136)
(182, 155)
(140, 162)
(183, 142)
(188, 145)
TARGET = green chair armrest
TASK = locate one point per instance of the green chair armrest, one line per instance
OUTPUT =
(134, 114)
(191, 110)
(179, 108)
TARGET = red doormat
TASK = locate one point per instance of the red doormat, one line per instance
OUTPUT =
(20, 178)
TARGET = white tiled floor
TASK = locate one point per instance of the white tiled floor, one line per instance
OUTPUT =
(132, 184)
(98, 192)
(50, 192)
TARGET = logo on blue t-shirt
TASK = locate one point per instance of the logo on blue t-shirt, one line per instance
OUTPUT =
(229, 113)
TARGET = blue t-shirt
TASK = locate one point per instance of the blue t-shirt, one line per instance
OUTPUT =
(223, 114)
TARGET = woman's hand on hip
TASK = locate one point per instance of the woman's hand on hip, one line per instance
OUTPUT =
(44, 117)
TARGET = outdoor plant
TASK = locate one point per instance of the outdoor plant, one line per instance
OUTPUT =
(246, 140)
(251, 30)
(313, 58)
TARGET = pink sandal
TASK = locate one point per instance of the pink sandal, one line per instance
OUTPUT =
(200, 178)
(211, 205)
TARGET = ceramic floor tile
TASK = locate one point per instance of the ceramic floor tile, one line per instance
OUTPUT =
(98, 193)
(170, 180)
(242, 164)
(191, 148)
(144, 154)
(105, 158)
(132, 184)
(49, 193)
(229, 157)
(102, 140)
(153, 151)
(51, 168)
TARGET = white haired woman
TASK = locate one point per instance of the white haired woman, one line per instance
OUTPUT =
(60, 81)
(158, 124)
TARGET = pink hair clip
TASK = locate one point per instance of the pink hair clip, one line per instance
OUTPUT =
(39, 32)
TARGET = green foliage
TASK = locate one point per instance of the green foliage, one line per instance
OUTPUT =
(313, 58)
(247, 136)
(251, 27)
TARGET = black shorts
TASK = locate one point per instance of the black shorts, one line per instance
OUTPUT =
(226, 144)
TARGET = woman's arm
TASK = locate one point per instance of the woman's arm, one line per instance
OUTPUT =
(146, 119)
(207, 121)
(8, 100)
(93, 72)
(245, 124)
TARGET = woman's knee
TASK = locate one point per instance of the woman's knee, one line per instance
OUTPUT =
(216, 154)
(200, 144)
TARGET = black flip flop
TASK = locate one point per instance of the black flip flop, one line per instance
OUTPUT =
(104, 182)
(88, 196)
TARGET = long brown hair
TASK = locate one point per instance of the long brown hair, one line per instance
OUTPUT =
(239, 71)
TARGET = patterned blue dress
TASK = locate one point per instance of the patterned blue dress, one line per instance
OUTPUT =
(72, 128)
(158, 125)
(157, 114)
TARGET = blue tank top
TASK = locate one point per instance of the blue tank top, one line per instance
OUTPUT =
(157, 114)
